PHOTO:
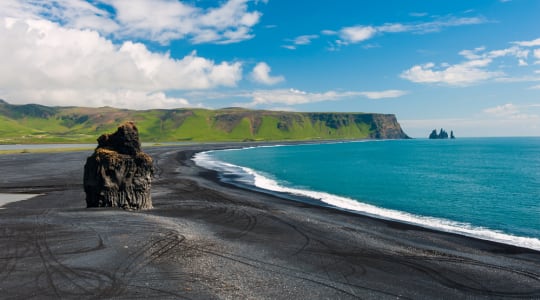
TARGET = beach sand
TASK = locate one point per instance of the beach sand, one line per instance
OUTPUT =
(209, 240)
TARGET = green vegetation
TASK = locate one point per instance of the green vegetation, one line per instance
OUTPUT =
(40, 124)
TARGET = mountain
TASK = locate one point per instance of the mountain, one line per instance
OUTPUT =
(33, 123)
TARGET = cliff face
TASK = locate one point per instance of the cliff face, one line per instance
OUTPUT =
(310, 125)
(41, 124)
(385, 127)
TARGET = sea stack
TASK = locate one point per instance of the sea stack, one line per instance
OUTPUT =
(118, 173)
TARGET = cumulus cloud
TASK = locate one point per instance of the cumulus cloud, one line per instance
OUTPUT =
(476, 67)
(357, 34)
(261, 74)
(459, 74)
(155, 20)
(50, 64)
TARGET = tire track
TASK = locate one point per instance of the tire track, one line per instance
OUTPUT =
(62, 279)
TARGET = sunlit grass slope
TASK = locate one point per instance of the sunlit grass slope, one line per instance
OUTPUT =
(41, 124)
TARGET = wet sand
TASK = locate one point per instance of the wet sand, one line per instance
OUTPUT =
(209, 240)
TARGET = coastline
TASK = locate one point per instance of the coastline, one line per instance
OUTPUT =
(209, 239)
(250, 179)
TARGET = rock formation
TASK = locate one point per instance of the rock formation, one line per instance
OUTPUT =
(441, 135)
(118, 173)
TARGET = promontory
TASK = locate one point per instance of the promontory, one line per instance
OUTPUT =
(33, 123)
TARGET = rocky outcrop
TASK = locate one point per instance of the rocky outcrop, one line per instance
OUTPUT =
(441, 135)
(118, 173)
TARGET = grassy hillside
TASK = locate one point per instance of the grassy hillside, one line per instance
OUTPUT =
(41, 124)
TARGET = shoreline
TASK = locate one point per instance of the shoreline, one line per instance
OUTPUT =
(416, 220)
(206, 239)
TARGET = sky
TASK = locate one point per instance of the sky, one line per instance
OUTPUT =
(468, 66)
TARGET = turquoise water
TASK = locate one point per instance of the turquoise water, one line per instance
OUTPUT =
(486, 187)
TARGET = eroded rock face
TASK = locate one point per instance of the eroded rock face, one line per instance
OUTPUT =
(118, 173)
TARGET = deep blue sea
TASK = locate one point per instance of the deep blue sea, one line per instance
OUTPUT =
(483, 187)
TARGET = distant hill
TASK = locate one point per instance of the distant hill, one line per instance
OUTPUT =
(32, 123)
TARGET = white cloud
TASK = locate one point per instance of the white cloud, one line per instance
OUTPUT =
(502, 110)
(384, 94)
(510, 111)
(532, 43)
(329, 32)
(72, 13)
(261, 74)
(441, 23)
(361, 33)
(472, 54)
(155, 20)
(527, 78)
(304, 39)
(300, 40)
(120, 98)
(290, 47)
(394, 28)
(272, 98)
(474, 69)
(536, 54)
(512, 51)
(357, 34)
(459, 74)
(296, 97)
(49, 64)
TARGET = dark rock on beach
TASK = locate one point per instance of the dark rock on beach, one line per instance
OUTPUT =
(118, 173)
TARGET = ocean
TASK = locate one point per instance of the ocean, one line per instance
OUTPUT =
(487, 188)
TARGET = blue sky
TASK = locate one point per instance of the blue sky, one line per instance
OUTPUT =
(470, 66)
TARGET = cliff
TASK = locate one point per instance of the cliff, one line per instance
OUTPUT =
(41, 124)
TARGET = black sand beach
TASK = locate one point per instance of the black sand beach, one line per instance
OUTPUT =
(209, 240)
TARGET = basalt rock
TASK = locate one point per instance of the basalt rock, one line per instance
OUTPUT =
(118, 173)
(441, 135)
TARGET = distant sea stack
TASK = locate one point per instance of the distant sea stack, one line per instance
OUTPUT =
(441, 135)
(118, 173)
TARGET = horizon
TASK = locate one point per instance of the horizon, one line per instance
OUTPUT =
(473, 68)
